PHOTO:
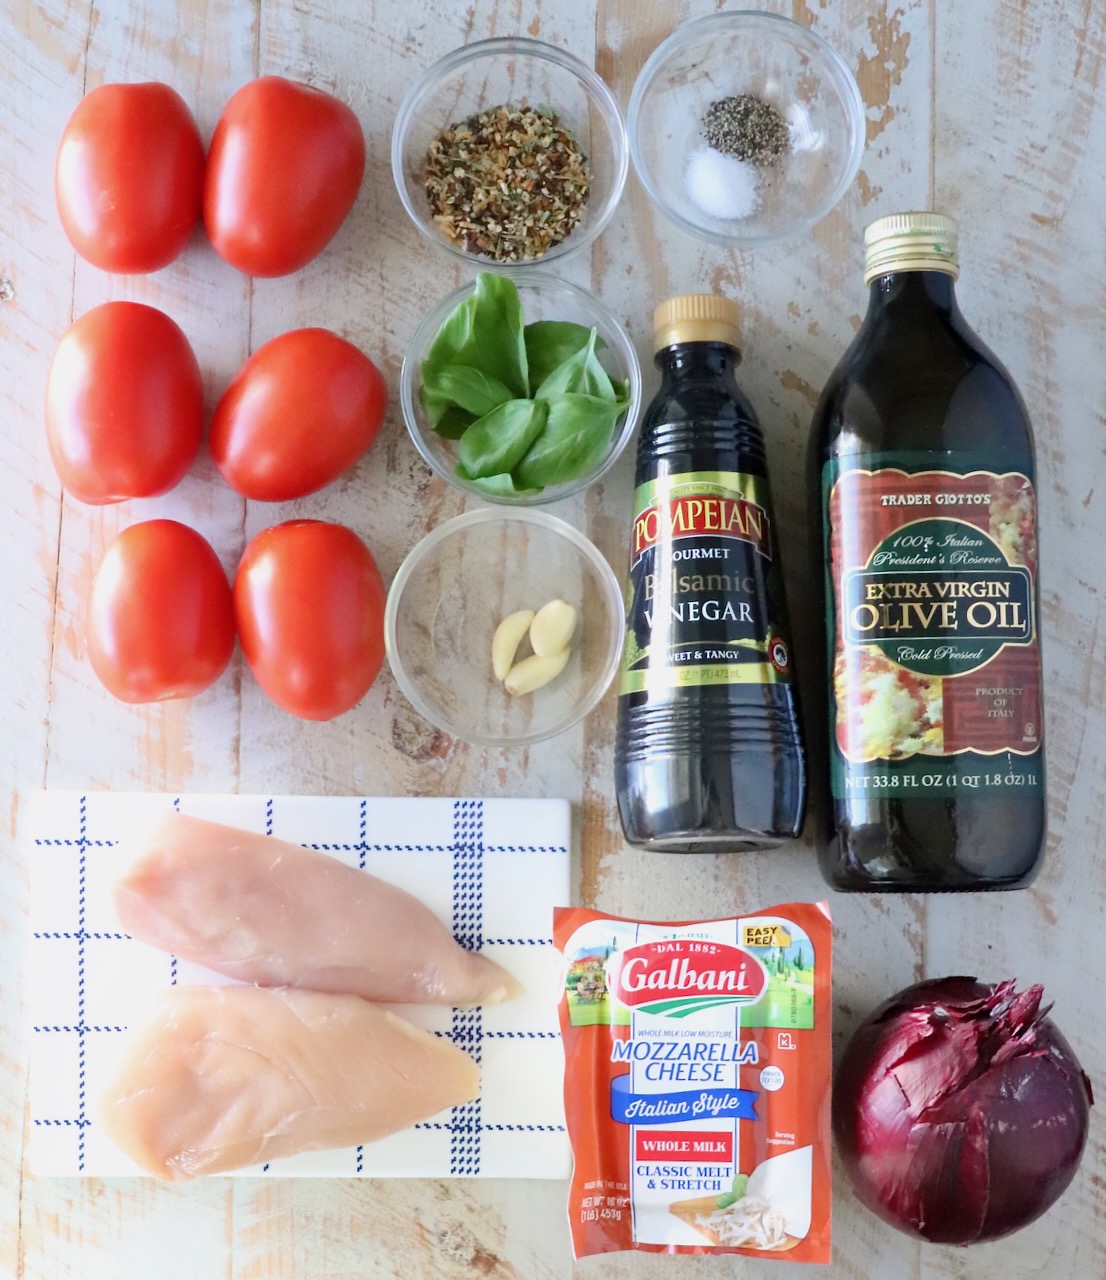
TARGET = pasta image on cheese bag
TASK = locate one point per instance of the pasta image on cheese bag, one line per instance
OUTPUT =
(697, 1082)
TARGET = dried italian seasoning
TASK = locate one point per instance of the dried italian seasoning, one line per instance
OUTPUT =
(747, 128)
(510, 182)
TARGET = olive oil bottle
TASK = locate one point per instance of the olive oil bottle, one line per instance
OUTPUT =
(708, 755)
(923, 486)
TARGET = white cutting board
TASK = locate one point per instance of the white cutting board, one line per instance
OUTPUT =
(491, 869)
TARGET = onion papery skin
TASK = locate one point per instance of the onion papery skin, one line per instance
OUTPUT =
(960, 1111)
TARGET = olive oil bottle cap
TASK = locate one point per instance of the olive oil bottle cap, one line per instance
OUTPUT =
(923, 241)
(695, 317)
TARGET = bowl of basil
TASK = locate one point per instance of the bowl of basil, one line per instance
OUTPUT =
(520, 389)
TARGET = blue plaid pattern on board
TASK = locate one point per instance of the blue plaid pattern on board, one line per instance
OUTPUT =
(498, 894)
(468, 929)
(81, 1030)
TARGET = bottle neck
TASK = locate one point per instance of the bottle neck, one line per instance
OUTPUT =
(922, 291)
(693, 361)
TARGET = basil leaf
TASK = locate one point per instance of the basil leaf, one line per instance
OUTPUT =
(736, 1193)
(497, 441)
(549, 343)
(499, 486)
(453, 422)
(577, 432)
(580, 374)
(453, 342)
(484, 332)
(436, 407)
(621, 389)
(470, 389)
(498, 322)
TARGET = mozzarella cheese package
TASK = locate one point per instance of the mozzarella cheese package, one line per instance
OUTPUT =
(697, 1082)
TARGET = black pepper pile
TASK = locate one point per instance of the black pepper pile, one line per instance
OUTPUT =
(747, 128)
(510, 182)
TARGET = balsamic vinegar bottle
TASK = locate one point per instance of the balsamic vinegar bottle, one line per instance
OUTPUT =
(708, 755)
(923, 480)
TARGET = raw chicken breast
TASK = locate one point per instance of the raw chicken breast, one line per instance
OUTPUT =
(225, 1077)
(261, 910)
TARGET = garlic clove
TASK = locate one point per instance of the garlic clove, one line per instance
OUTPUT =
(535, 671)
(507, 638)
(552, 628)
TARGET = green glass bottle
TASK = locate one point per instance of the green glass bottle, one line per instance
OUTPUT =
(923, 483)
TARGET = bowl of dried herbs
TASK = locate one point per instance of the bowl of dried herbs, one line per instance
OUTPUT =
(508, 152)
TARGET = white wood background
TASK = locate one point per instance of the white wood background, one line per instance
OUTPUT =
(994, 110)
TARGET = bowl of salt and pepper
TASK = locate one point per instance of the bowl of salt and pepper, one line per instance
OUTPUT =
(745, 128)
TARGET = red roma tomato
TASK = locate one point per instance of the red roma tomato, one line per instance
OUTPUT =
(160, 618)
(302, 410)
(129, 177)
(284, 169)
(124, 404)
(309, 605)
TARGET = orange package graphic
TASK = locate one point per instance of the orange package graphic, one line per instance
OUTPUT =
(697, 1082)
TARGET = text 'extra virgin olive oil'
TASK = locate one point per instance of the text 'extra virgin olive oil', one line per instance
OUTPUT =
(708, 753)
(922, 471)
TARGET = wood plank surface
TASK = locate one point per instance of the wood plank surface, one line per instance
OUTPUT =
(995, 111)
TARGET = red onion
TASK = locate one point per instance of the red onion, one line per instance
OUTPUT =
(960, 1111)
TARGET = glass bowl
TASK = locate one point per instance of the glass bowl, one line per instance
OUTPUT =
(522, 72)
(452, 591)
(785, 65)
(543, 297)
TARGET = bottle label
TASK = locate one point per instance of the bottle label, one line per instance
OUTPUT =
(705, 603)
(935, 682)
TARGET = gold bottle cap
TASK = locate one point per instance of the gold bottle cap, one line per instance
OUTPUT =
(695, 317)
(922, 241)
